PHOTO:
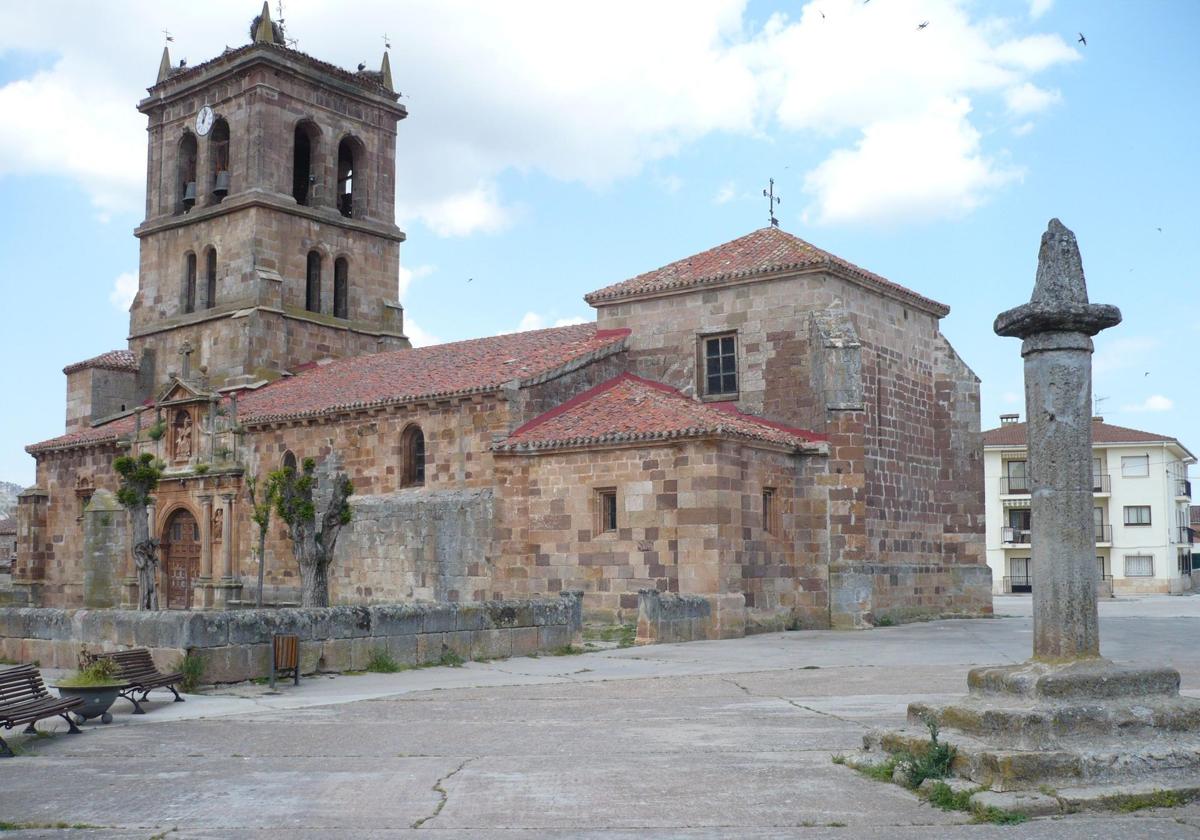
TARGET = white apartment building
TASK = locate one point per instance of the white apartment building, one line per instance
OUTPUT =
(1142, 513)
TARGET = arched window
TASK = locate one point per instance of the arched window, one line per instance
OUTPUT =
(341, 282)
(289, 460)
(187, 172)
(413, 452)
(218, 155)
(303, 154)
(210, 279)
(350, 156)
(189, 283)
(312, 287)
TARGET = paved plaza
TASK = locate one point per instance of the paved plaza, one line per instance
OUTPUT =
(702, 740)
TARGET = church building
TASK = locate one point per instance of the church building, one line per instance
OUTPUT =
(762, 423)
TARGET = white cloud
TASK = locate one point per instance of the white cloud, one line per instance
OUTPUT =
(670, 184)
(1037, 8)
(535, 321)
(1155, 402)
(1028, 98)
(726, 194)
(1012, 398)
(1023, 129)
(923, 166)
(533, 88)
(408, 275)
(124, 289)
(1123, 353)
(418, 336)
(477, 210)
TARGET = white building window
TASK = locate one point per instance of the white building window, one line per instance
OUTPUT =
(1137, 514)
(1135, 466)
(1139, 565)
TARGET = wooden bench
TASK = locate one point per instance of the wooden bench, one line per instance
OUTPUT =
(285, 656)
(25, 700)
(136, 668)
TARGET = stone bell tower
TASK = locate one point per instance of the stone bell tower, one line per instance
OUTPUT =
(270, 238)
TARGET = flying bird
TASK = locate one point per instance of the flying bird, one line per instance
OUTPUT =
(469, 279)
(822, 14)
(922, 25)
(361, 67)
(1082, 40)
(1159, 230)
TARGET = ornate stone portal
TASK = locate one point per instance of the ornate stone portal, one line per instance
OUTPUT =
(1067, 718)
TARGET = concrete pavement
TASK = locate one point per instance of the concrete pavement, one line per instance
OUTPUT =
(708, 739)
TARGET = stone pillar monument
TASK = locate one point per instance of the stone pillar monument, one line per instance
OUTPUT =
(1057, 325)
(1067, 718)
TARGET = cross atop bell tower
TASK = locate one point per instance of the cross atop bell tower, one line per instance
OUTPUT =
(270, 238)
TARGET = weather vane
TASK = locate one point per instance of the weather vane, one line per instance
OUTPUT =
(168, 36)
(387, 43)
(772, 200)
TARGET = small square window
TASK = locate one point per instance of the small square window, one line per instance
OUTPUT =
(606, 510)
(1135, 466)
(720, 365)
(1139, 565)
(770, 511)
(1137, 514)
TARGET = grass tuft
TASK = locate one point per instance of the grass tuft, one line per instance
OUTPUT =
(1157, 799)
(192, 668)
(381, 662)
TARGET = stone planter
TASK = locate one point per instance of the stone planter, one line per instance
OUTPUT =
(96, 700)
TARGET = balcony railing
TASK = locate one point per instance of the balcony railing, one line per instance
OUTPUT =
(1186, 535)
(1014, 485)
(1014, 536)
(1024, 583)
(1183, 488)
(1020, 485)
(1102, 534)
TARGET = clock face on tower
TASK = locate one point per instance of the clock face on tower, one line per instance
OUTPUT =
(204, 120)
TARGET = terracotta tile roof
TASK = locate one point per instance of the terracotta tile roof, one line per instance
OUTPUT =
(628, 408)
(763, 252)
(464, 367)
(1195, 512)
(1013, 434)
(112, 360)
(108, 433)
(443, 370)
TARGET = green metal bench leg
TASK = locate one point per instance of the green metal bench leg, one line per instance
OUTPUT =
(74, 730)
(5, 751)
(137, 707)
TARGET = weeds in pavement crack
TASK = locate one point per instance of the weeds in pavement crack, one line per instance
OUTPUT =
(439, 788)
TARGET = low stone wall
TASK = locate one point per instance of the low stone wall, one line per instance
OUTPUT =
(865, 593)
(665, 617)
(236, 644)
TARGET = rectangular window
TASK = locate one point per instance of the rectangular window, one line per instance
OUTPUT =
(1018, 480)
(606, 510)
(1135, 466)
(1139, 565)
(770, 511)
(1103, 570)
(1137, 514)
(720, 365)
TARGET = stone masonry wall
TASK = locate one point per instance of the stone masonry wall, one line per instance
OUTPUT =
(236, 645)
(666, 618)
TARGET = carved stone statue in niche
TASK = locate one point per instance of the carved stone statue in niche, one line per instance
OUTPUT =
(183, 436)
(218, 524)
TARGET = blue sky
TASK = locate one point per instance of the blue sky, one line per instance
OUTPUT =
(552, 149)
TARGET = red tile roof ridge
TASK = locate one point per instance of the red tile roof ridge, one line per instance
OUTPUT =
(556, 349)
(112, 360)
(698, 420)
(1016, 434)
(110, 432)
(762, 252)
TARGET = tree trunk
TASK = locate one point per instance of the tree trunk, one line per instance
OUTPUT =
(262, 562)
(314, 584)
(145, 557)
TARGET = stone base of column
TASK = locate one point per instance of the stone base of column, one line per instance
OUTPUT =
(226, 591)
(202, 593)
(129, 593)
(1088, 723)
